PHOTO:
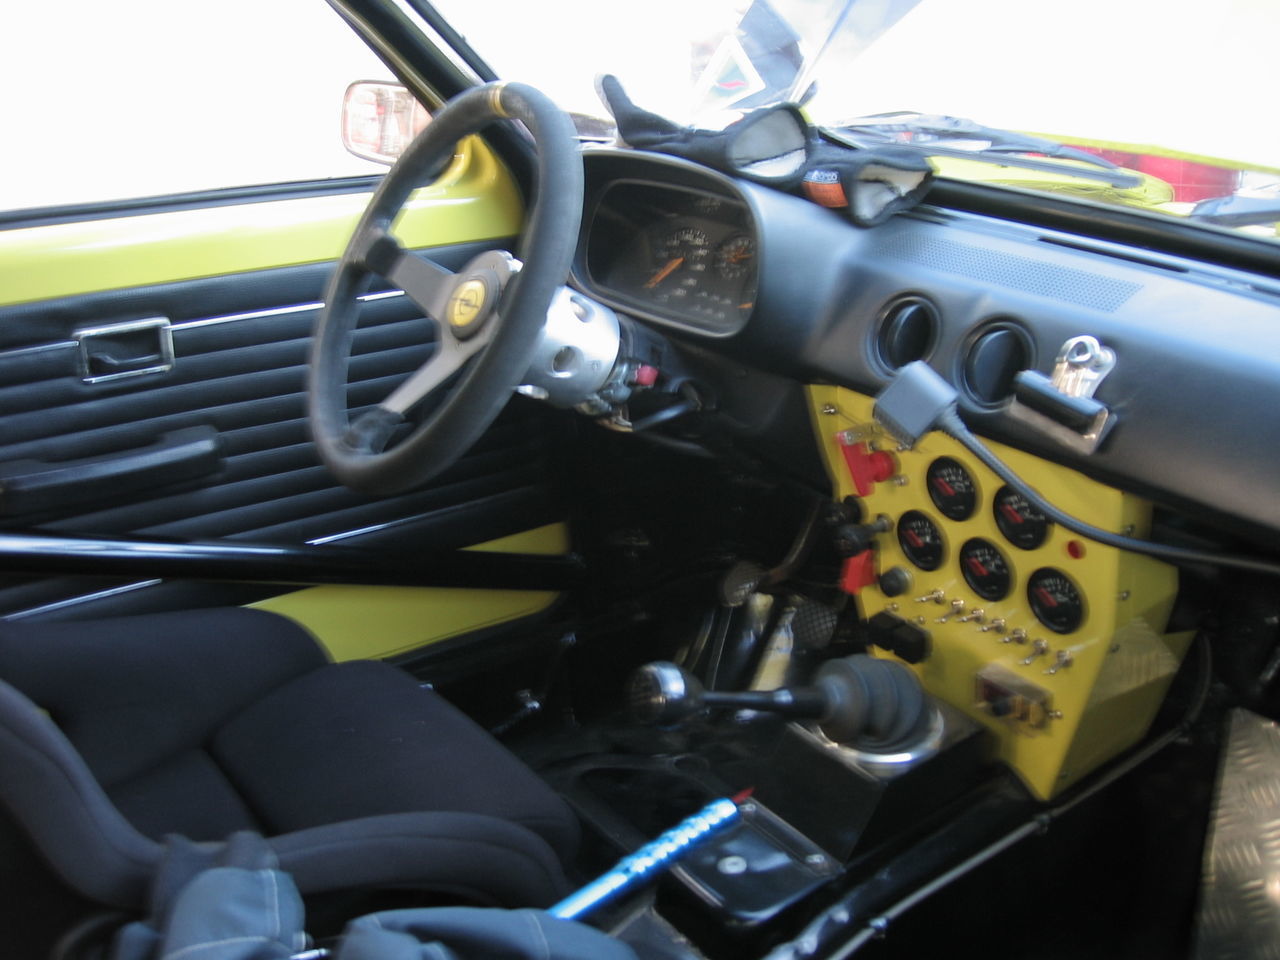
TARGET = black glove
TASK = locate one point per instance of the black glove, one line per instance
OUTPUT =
(775, 146)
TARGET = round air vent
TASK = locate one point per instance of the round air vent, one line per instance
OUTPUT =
(996, 355)
(908, 329)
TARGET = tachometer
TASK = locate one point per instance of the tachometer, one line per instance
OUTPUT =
(734, 256)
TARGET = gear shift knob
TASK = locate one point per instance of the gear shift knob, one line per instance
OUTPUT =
(663, 693)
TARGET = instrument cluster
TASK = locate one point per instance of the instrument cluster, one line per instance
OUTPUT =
(673, 254)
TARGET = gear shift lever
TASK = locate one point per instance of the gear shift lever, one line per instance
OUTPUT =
(878, 705)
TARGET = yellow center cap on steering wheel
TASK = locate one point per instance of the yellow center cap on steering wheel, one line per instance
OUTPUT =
(466, 303)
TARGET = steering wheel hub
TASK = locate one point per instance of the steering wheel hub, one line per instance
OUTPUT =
(476, 291)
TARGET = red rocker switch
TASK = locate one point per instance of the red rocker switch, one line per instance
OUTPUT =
(866, 467)
(859, 571)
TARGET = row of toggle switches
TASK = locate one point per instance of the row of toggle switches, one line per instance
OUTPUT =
(960, 612)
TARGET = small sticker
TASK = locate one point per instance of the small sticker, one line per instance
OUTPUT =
(823, 188)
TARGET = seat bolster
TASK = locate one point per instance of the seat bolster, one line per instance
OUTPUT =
(484, 858)
(51, 793)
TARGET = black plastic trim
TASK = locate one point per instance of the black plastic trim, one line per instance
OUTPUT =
(1138, 227)
(454, 39)
(966, 356)
(889, 327)
(35, 486)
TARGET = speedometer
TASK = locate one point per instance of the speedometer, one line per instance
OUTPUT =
(685, 250)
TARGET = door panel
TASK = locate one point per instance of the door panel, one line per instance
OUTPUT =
(236, 384)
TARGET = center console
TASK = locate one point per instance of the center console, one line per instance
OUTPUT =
(821, 772)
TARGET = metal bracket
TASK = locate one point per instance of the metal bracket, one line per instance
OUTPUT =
(1081, 365)
(1079, 368)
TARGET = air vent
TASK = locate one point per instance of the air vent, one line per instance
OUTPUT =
(997, 355)
(908, 329)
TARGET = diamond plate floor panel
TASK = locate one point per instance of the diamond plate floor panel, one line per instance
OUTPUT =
(1239, 913)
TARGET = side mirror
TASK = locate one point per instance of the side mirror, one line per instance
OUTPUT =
(380, 120)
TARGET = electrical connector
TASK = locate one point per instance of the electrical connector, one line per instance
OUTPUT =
(915, 402)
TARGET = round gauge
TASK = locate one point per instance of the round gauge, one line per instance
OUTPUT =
(1021, 523)
(985, 569)
(920, 540)
(952, 489)
(734, 256)
(1055, 600)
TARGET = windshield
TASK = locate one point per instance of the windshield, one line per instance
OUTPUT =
(1165, 91)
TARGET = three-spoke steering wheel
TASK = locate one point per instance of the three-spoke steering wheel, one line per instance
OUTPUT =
(488, 316)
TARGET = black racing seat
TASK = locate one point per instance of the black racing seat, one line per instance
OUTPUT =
(116, 733)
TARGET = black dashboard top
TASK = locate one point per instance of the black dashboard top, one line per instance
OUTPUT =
(802, 292)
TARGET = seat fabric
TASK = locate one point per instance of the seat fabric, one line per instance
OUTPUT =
(361, 739)
(208, 722)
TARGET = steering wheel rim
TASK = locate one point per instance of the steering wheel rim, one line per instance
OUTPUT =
(491, 360)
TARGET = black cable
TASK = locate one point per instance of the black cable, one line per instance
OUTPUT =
(949, 422)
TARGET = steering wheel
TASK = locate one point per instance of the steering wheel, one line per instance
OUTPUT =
(488, 315)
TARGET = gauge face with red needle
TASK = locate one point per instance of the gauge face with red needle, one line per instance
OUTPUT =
(951, 488)
(920, 539)
(985, 569)
(1055, 600)
(1022, 524)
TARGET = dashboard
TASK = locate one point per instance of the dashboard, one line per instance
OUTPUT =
(979, 298)
(1059, 646)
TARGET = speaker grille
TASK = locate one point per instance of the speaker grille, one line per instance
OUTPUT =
(1078, 287)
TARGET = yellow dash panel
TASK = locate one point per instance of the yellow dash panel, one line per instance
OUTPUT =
(369, 623)
(1121, 659)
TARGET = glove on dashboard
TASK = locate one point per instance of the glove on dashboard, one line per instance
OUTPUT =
(777, 147)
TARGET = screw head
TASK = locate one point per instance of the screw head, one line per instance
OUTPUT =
(732, 865)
